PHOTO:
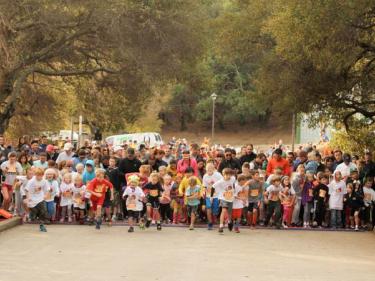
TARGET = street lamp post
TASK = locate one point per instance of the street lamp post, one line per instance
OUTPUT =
(213, 97)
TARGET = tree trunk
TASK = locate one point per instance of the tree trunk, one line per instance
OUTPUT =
(6, 109)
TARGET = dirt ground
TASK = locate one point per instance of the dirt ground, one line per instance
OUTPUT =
(82, 253)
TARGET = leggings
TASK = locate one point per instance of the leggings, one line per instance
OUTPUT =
(307, 211)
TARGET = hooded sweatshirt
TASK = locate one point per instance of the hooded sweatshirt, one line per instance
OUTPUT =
(88, 176)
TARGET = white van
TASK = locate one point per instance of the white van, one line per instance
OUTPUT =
(153, 139)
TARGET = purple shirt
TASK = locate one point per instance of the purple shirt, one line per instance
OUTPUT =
(307, 192)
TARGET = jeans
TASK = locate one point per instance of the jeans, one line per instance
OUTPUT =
(336, 218)
(307, 211)
(50, 208)
(296, 211)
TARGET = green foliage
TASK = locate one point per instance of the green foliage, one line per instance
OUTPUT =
(357, 141)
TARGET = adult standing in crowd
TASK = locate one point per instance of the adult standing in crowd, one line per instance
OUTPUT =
(278, 162)
(66, 154)
(130, 164)
(186, 162)
(368, 170)
(249, 154)
(230, 162)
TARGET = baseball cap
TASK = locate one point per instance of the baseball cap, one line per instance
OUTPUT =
(117, 148)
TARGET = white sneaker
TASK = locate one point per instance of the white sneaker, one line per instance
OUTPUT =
(304, 225)
(356, 228)
(114, 218)
(284, 225)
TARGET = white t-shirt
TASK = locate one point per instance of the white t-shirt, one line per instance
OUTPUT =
(134, 200)
(36, 191)
(11, 171)
(66, 191)
(345, 169)
(209, 180)
(337, 190)
(273, 192)
(52, 190)
(225, 189)
(63, 156)
(79, 197)
(369, 196)
(239, 191)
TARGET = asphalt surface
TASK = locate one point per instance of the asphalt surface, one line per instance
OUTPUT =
(83, 253)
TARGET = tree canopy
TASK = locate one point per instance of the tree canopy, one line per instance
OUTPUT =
(112, 60)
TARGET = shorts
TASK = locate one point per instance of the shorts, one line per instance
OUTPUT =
(153, 202)
(354, 210)
(236, 214)
(213, 206)
(134, 214)
(96, 201)
(252, 206)
(225, 204)
(79, 209)
(107, 201)
(39, 212)
(192, 210)
(9, 187)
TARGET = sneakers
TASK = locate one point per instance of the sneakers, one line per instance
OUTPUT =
(42, 228)
(70, 220)
(158, 227)
(98, 223)
(356, 228)
(237, 229)
(114, 218)
(230, 226)
(221, 230)
(148, 223)
(191, 227)
(142, 225)
(131, 229)
(210, 226)
(284, 225)
(62, 220)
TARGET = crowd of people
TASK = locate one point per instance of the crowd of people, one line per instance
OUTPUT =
(181, 183)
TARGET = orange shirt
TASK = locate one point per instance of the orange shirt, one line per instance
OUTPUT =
(282, 163)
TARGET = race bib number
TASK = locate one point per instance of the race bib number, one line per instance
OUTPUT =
(154, 192)
(77, 199)
(322, 193)
(254, 193)
(132, 204)
(310, 192)
(274, 196)
(48, 196)
(367, 197)
(338, 190)
(228, 195)
(67, 194)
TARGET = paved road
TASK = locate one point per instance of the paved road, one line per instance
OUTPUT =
(81, 253)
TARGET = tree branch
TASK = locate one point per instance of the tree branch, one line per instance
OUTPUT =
(63, 73)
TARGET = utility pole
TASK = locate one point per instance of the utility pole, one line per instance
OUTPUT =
(213, 97)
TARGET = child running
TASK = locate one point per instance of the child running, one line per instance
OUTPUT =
(240, 200)
(98, 188)
(36, 190)
(192, 195)
(212, 202)
(52, 192)
(79, 203)
(154, 193)
(225, 191)
(133, 196)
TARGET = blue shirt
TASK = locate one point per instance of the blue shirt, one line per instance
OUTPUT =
(189, 192)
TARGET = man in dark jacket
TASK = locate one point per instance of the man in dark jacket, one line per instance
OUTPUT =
(229, 162)
(130, 164)
(249, 155)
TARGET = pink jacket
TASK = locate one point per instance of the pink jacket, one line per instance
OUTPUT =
(182, 165)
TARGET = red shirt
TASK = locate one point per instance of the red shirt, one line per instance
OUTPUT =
(281, 163)
(99, 186)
